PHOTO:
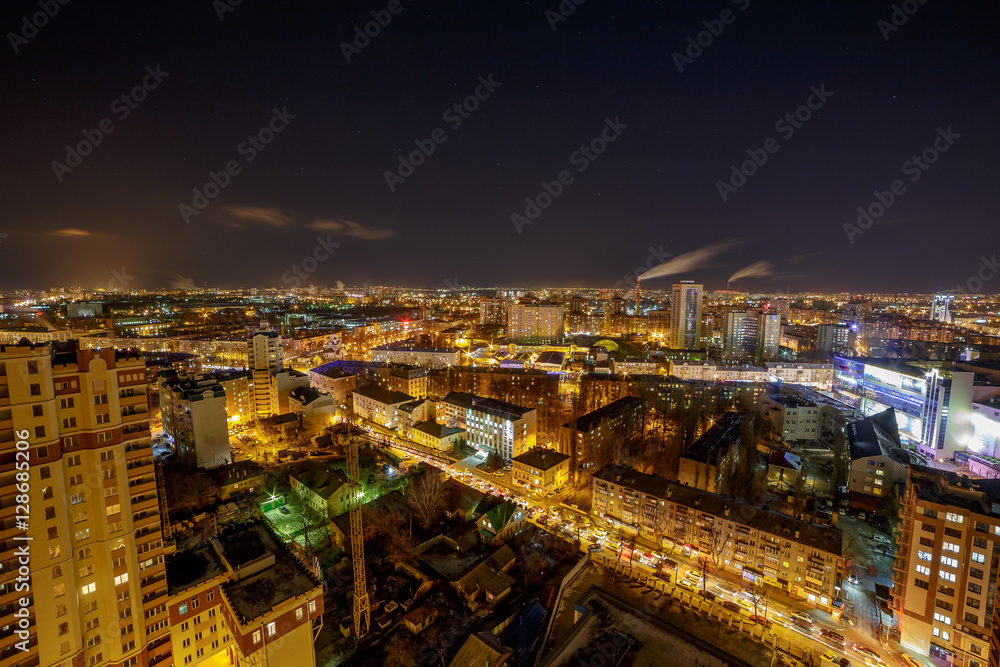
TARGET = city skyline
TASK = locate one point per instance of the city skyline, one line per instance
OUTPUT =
(741, 136)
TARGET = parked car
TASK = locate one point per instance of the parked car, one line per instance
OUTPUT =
(881, 538)
(708, 595)
(731, 606)
(760, 620)
(910, 661)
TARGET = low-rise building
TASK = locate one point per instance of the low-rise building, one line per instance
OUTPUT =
(379, 405)
(436, 436)
(540, 471)
(797, 557)
(878, 461)
(313, 409)
(501, 522)
(408, 379)
(428, 357)
(326, 491)
(453, 407)
(412, 413)
(793, 417)
(334, 381)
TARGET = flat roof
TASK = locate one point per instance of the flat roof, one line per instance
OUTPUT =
(541, 458)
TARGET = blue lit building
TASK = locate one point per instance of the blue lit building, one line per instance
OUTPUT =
(933, 404)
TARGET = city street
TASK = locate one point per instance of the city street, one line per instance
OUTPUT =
(552, 515)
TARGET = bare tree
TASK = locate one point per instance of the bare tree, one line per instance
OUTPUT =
(425, 495)
(400, 653)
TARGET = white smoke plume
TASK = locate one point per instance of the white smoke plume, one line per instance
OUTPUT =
(689, 261)
(761, 269)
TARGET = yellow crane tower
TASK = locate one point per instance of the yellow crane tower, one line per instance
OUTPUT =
(362, 613)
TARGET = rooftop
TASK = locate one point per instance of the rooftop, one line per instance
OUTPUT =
(256, 594)
(541, 458)
(436, 430)
(498, 408)
(587, 422)
(716, 440)
(191, 567)
(385, 396)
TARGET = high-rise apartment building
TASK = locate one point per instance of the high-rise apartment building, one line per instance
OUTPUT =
(264, 360)
(493, 311)
(97, 593)
(685, 316)
(529, 322)
(945, 574)
(752, 334)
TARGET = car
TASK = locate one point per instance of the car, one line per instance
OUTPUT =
(881, 538)
(870, 657)
(731, 606)
(833, 637)
(802, 621)
(760, 620)
(708, 595)
(284, 510)
(861, 515)
(910, 661)
(854, 579)
(831, 658)
(687, 585)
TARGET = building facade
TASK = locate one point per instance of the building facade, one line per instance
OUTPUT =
(945, 575)
(540, 471)
(97, 590)
(685, 316)
(795, 556)
(492, 425)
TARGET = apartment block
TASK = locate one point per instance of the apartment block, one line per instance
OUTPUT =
(532, 322)
(795, 556)
(428, 357)
(98, 593)
(243, 599)
(195, 421)
(590, 438)
(379, 405)
(711, 459)
(408, 379)
(264, 360)
(945, 576)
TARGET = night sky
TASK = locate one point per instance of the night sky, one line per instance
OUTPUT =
(651, 194)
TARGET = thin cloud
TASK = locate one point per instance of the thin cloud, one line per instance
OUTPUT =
(264, 215)
(353, 229)
(71, 232)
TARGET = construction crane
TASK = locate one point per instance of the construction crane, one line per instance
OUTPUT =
(362, 613)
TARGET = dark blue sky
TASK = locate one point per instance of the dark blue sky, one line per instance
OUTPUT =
(654, 186)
